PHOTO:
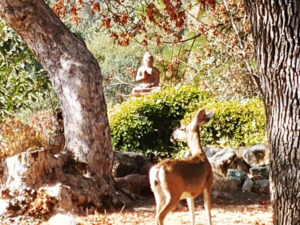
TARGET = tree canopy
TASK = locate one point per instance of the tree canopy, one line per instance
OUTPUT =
(204, 42)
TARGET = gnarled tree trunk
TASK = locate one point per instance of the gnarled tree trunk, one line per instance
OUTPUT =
(276, 32)
(76, 77)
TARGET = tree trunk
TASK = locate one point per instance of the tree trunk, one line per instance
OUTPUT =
(275, 28)
(76, 77)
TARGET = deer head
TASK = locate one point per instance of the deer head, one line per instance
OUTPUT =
(190, 133)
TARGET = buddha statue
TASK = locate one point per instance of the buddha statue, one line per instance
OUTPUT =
(147, 77)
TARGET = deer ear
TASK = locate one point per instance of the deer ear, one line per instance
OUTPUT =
(197, 119)
(210, 114)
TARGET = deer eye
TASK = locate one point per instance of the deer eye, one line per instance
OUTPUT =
(183, 128)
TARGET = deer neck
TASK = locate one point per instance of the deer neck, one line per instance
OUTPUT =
(195, 144)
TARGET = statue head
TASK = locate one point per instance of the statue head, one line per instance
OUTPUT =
(147, 59)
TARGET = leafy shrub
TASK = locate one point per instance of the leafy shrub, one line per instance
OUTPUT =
(23, 82)
(145, 124)
(235, 123)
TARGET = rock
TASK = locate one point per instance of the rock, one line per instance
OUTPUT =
(211, 151)
(136, 184)
(262, 171)
(261, 186)
(66, 219)
(130, 163)
(224, 184)
(247, 185)
(222, 161)
(257, 155)
(240, 164)
(237, 175)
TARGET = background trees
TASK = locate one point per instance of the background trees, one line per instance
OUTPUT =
(23, 82)
(193, 42)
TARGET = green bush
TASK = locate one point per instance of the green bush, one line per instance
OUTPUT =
(235, 123)
(145, 124)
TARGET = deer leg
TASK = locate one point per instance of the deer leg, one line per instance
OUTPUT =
(207, 203)
(191, 205)
(160, 200)
(171, 202)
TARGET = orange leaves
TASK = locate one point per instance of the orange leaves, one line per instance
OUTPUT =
(124, 19)
(144, 42)
(59, 8)
(152, 12)
(105, 22)
(96, 6)
(175, 12)
(206, 3)
(73, 11)
(123, 39)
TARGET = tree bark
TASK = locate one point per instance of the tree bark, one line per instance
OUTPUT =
(275, 28)
(81, 178)
(75, 75)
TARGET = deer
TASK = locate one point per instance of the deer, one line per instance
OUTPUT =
(173, 180)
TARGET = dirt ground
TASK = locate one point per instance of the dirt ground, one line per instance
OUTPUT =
(227, 208)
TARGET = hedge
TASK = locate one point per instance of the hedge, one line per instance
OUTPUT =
(145, 124)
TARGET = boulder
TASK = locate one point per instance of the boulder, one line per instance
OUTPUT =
(261, 171)
(240, 164)
(125, 163)
(237, 175)
(134, 184)
(223, 184)
(222, 160)
(257, 155)
(261, 187)
(247, 185)
(211, 151)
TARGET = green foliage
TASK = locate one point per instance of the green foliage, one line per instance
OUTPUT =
(22, 80)
(235, 123)
(145, 124)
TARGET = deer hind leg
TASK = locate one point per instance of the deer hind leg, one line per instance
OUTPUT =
(207, 203)
(170, 203)
(191, 205)
(160, 200)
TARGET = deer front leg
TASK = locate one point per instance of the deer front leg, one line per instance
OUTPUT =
(207, 203)
(191, 205)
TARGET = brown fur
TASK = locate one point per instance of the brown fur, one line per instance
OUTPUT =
(172, 180)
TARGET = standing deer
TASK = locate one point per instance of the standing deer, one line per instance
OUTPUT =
(173, 180)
